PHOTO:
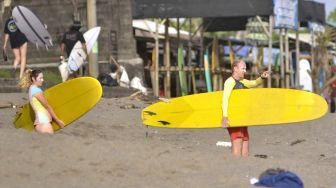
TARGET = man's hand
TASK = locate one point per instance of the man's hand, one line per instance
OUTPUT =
(225, 122)
(265, 74)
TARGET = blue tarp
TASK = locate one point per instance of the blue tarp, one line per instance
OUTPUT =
(240, 51)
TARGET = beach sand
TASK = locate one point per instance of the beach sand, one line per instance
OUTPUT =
(109, 147)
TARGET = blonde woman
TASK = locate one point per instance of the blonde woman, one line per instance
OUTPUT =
(33, 79)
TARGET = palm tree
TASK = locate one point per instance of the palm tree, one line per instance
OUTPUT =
(322, 59)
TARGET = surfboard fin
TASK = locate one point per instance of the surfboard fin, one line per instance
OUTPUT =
(150, 113)
(164, 122)
(51, 43)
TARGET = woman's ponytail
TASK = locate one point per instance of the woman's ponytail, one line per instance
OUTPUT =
(26, 79)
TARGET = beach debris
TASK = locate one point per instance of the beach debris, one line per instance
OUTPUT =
(164, 99)
(297, 142)
(139, 96)
(262, 156)
(253, 181)
(7, 104)
(224, 144)
(128, 106)
(136, 83)
(107, 80)
(135, 94)
(124, 80)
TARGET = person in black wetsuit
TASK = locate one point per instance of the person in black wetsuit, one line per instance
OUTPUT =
(18, 42)
(70, 38)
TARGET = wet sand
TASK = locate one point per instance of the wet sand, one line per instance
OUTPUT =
(109, 147)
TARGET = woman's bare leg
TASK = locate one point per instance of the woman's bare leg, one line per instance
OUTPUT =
(23, 55)
(45, 128)
(16, 52)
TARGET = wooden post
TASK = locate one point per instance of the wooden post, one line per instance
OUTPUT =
(193, 80)
(297, 50)
(231, 52)
(221, 74)
(156, 93)
(152, 70)
(177, 80)
(313, 67)
(287, 73)
(282, 71)
(270, 48)
(92, 22)
(167, 60)
(190, 81)
(202, 45)
(214, 63)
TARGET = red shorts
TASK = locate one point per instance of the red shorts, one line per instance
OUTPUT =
(238, 132)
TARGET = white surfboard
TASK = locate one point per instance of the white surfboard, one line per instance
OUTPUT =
(31, 26)
(77, 56)
(305, 78)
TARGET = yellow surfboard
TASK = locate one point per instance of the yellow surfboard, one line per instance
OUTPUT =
(247, 107)
(70, 100)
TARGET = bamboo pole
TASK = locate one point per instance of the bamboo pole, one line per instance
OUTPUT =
(202, 44)
(287, 73)
(177, 79)
(270, 47)
(297, 51)
(193, 79)
(221, 54)
(282, 71)
(152, 70)
(313, 66)
(231, 52)
(190, 81)
(167, 60)
(156, 93)
(214, 63)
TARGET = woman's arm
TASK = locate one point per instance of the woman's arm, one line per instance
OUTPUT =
(6, 37)
(40, 96)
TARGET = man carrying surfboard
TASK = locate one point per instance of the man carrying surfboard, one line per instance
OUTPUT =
(18, 42)
(69, 40)
(239, 135)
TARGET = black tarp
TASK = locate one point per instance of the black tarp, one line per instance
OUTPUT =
(200, 8)
(222, 15)
(311, 11)
(308, 11)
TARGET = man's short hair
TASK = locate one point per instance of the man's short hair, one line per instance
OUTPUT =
(235, 63)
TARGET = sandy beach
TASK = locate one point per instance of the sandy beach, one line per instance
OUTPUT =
(109, 147)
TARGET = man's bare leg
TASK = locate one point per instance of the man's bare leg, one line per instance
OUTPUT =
(245, 148)
(236, 148)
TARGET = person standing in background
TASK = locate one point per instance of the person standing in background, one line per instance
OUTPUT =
(69, 39)
(239, 135)
(18, 42)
